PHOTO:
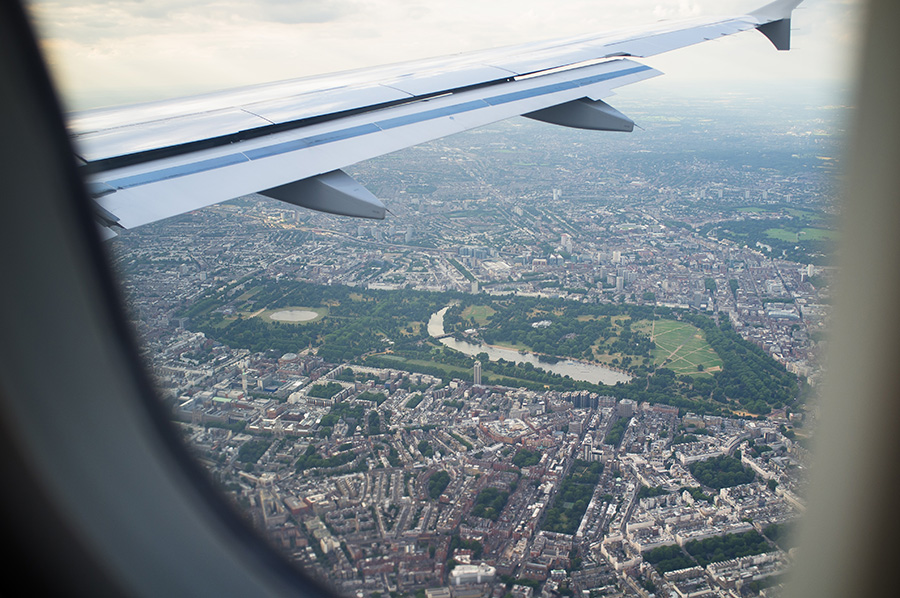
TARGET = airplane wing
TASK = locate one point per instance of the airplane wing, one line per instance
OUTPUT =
(289, 140)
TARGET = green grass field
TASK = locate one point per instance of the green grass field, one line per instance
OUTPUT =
(680, 347)
(450, 370)
(806, 234)
(480, 314)
(807, 216)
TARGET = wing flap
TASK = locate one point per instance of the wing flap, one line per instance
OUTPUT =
(306, 106)
(429, 84)
(167, 132)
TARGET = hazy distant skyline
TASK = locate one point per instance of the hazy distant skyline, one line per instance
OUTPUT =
(122, 51)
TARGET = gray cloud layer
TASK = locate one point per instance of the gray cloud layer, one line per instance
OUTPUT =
(100, 46)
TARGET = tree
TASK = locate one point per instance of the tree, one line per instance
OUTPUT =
(437, 483)
(721, 472)
(489, 503)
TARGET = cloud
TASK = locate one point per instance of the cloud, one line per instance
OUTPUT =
(89, 19)
(302, 11)
(181, 46)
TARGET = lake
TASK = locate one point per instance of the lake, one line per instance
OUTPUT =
(577, 370)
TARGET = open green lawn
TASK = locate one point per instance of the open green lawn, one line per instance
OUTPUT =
(818, 234)
(806, 234)
(808, 216)
(246, 295)
(451, 370)
(479, 313)
(680, 347)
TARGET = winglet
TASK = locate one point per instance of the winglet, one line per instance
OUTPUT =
(775, 21)
(778, 32)
(775, 11)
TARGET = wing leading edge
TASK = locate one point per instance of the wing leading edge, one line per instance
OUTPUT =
(290, 140)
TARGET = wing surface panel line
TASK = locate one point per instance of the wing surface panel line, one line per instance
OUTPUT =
(359, 130)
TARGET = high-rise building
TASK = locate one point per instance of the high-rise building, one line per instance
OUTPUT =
(477, 372)
(626, 407)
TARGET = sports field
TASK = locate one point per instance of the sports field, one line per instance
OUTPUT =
(680, 347)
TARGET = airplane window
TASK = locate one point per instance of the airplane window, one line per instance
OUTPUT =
(566, 362)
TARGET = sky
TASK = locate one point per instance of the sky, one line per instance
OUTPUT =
(109, 52)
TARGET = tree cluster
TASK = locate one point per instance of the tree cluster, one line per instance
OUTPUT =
(526, 458)
(650, 492)
(721, 472)
(668, 558)
(414, 401)
(425, 448)
(311, 459)
(573, 497)
(325, 391)
(614, 436)
(437, 483)
(253, 449)
(574, 329)
(751, 232)
(729, 546)
(489, 503)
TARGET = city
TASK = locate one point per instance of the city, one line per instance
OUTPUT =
(340, 380)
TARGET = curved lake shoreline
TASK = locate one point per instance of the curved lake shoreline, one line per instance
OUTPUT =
(577, 370)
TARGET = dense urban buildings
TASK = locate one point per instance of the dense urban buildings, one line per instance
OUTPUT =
(341, 379)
